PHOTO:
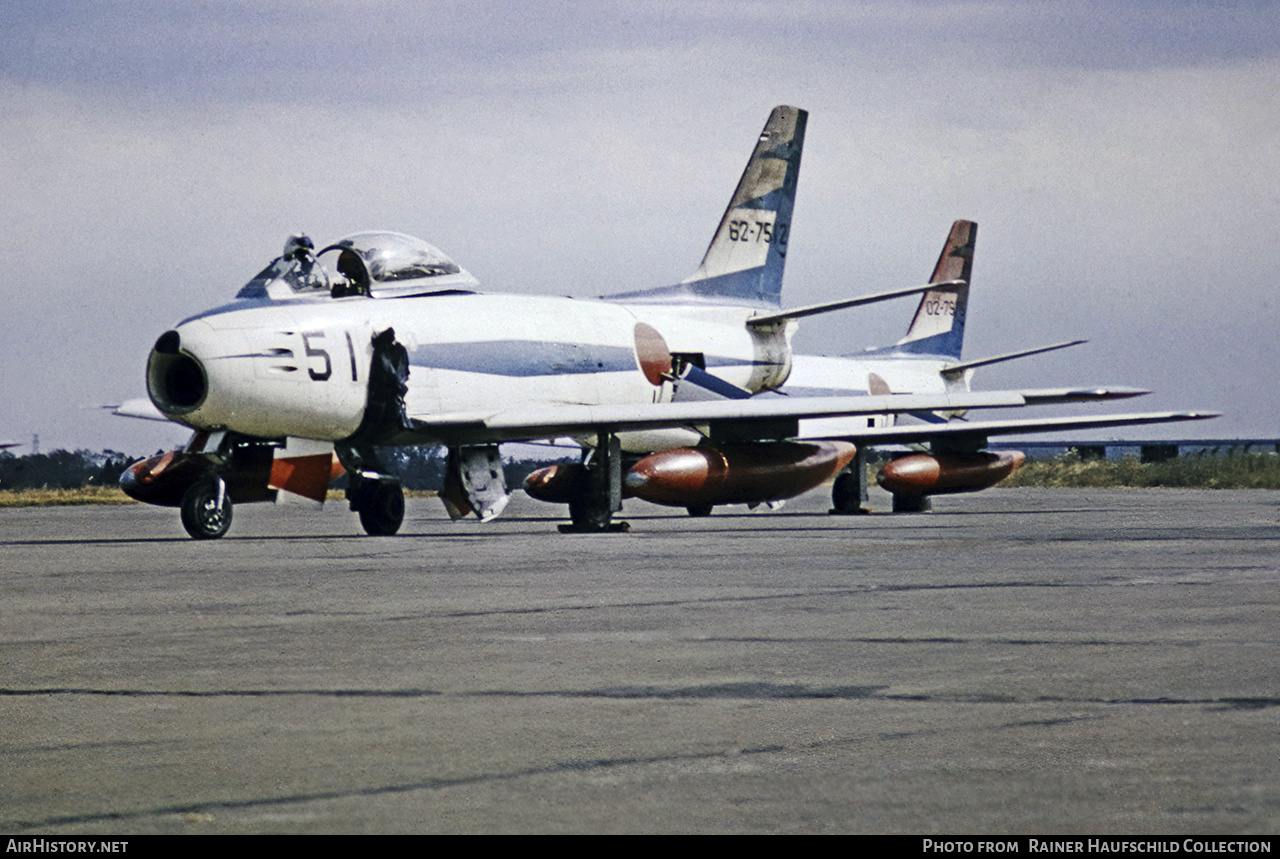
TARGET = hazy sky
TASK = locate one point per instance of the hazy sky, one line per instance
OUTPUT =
(1122, 161)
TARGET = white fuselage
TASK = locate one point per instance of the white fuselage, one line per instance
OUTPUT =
(821, 376)
(301, 367)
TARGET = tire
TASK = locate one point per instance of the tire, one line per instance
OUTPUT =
(587, 516)
(911, 504)
(846, 495)
(201, 515)
(382, 509)
(699, 510)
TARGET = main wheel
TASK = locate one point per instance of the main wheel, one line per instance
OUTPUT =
(700, 510)
(846, 494)
(911, 504)
(589, 514)
(382, 509)
(202, 516)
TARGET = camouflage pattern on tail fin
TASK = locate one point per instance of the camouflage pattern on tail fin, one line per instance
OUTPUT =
(938, 326)
(744, 262)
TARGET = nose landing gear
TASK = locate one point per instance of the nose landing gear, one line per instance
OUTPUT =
(206, 509)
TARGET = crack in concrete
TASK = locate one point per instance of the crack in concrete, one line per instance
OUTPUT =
(747, 690)
(947, 640)
(818, 592)
(382, 790)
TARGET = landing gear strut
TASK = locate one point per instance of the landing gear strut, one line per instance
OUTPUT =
(600, 494)
(378, 497)
(206, 509)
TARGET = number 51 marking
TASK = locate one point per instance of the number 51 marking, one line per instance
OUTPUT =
(313, 352)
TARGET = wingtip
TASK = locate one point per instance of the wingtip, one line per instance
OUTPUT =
(1121, 393)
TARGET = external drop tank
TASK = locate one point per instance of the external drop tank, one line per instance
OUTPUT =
(924, 474)
(705, 476)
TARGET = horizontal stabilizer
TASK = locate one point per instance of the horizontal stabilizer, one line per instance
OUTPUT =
(956, 370)
(769, 319)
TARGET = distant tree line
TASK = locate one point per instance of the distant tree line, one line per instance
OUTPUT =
(62, 469)
(420, 468)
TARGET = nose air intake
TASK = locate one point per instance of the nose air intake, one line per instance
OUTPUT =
(175, 380)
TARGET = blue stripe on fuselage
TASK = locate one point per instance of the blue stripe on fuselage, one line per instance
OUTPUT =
(524, 358)
(520, 358)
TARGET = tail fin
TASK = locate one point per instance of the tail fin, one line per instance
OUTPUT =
(744, 262)
(938, 326)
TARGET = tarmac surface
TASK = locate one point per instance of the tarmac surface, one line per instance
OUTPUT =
(1018, 661)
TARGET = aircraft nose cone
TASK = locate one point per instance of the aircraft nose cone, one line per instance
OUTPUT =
(176, 379)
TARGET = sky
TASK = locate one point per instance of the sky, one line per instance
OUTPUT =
(1122, 162)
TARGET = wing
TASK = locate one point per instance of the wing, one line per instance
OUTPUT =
(140, 407)
(771, 417)
(976, 432)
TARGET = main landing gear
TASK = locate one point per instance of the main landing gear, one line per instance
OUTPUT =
(599, 494)
(380, 502)
(911, 503)
(849, 491)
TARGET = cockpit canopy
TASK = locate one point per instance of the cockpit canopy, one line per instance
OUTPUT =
(392, 257)
(377, 264)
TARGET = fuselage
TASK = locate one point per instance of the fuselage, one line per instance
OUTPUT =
(822, 376)
(394, 346)
(302, 367)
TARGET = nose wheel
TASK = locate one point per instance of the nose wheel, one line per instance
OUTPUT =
(206, 509)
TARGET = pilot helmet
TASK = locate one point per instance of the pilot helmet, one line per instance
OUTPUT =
(298, 245)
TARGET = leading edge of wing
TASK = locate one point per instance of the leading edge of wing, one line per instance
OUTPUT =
(570, 419)
(926, 432)
(139, 407)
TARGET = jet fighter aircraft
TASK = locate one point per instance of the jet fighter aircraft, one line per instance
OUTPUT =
(380, 339)
(926, 359)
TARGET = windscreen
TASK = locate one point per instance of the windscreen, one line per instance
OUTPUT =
(303, 276)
